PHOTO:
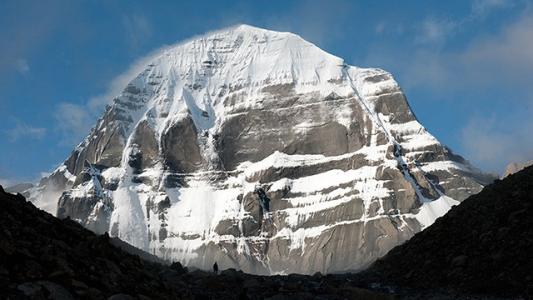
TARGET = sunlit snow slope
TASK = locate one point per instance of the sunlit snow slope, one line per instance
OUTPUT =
(260, 151)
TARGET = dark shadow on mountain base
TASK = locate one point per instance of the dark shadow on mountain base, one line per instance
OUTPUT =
(42, 257)
(482, 247)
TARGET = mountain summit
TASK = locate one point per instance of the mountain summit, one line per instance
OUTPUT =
(260, 151)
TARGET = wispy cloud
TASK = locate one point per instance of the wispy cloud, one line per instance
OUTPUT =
(138, 29)
(74, 121)
(497, 141)
(316, 21)
(22, 66)
(436, 30)
(29, 25)
(6, 182)
(388, 27)
(481, 8)
(22, 130)
(505, 57)
(501, 58)
(496, 61)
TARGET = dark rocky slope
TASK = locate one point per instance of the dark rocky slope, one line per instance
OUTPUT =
(483, 246)
(42, 257)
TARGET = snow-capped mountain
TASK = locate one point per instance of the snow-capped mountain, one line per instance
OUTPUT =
(260, 151)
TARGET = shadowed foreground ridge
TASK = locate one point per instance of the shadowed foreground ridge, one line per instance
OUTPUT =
(42, 257)
(482, 246)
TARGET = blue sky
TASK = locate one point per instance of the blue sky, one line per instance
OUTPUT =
(465, 66)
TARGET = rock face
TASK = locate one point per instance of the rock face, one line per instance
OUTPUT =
(482, 246)
(516, 167)
(260, 151)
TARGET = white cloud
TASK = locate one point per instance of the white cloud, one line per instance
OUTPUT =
(74, 121)
(117, 84)
(27, 27)
(383, 27)
(6, 182)
(506, 56)
(380, 27)
(481, 8)
(137, 27)
(496, 142)
(23, 130)
(319, 22)
(22, 66)
(501, 62)
(433, 30)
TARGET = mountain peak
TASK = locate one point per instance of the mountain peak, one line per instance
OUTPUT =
(255, 30)
(259, 150)
(244, 54)
(249, 30)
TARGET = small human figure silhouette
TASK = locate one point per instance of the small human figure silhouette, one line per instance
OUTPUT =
(215, 268)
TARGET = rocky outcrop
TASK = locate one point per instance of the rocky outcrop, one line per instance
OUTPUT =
(481, 247)
(260, 151)
(20, 188)
(516, 167)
